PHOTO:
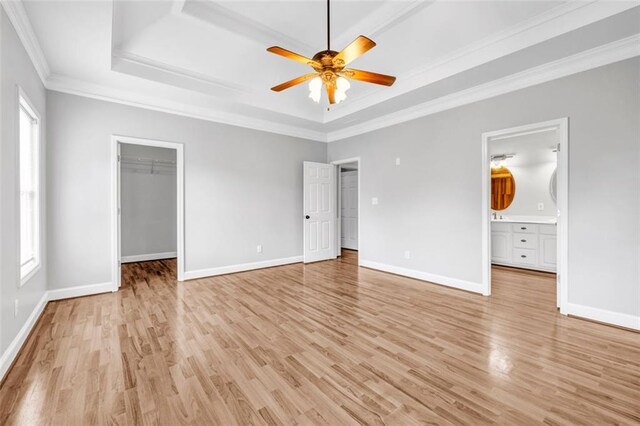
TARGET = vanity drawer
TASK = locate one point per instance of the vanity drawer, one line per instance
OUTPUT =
(524, 256)
(526, 241)
(524, 228)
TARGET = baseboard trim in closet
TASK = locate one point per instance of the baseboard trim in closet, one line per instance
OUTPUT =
(148, 257)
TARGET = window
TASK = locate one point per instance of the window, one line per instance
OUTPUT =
(29, 136)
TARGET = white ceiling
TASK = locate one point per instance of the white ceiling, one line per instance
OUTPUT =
(208, 59)
(534, 148)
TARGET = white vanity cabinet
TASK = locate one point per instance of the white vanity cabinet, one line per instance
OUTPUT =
(524, 245)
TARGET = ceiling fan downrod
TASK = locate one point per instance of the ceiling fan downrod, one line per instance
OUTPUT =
(328, 25)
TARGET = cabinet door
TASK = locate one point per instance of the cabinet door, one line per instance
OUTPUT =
(500, 247)
(548, 256)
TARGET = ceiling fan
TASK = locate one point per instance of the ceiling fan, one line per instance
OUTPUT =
(330, 68)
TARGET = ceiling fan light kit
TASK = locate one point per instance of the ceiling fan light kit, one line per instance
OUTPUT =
(330, 68)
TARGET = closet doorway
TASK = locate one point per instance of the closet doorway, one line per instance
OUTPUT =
(148, 203)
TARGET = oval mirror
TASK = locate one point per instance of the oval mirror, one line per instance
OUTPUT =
(503, 188)
(553, 186)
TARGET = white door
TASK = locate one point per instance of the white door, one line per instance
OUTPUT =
(319, 211)
(119, 221)
(349, 210)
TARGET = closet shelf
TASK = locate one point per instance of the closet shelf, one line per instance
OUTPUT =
(148, 165)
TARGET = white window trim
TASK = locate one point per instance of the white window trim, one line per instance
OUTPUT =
(32, 267)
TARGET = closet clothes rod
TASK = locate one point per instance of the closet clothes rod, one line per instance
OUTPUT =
(154, 169)
(152, 172)
(148, 165)
(142, 160)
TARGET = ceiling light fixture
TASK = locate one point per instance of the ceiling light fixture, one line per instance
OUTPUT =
(498, 161)
(330, 70)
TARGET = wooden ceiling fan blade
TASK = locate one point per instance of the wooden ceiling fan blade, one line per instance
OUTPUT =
(295, 81)
(357, 48)
(331, 92)
(294, 56)
(369, 77)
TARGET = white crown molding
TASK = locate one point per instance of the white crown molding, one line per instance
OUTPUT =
(374, 24)
(161, 72)
(222, 17)
(600, 56)
(382, 19)
(119, 56)
(20, 21)
(176, 6)
(81, 88)
(562, 19)
(603, 55)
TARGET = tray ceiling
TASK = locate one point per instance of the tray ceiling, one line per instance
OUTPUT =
(208, 58)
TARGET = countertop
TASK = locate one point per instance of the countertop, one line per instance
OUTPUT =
(539, 220)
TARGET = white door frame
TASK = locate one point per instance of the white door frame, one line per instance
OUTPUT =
(115, 201)
(560, 125)
(338, 163)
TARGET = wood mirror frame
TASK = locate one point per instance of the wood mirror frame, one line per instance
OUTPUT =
(503, 188)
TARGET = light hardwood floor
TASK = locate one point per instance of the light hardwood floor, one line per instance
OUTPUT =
(326, 343)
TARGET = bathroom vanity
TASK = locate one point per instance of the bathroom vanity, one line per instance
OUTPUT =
(524, 243)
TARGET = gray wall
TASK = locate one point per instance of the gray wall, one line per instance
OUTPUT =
(532, 187)
(242, 187)
(148, 202)
(431, 204)
(16, 70)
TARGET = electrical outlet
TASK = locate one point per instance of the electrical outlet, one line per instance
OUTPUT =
(374, 201)
(259, 248)
(540, 206)
(397, 161)
(15, 308)
(407, 254)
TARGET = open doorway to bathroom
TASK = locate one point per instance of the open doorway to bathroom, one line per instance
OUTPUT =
(525, 211)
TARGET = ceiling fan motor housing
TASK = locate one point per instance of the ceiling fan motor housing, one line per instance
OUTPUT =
(329, 69)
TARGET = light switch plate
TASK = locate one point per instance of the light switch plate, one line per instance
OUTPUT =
(259, 248)
(397, 161)
(374, 201)
(540, 206)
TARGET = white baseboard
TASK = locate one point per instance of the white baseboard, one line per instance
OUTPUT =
(147, 257)
(12, 351)
(424, 276)
(78, 291)
(605, 316)
(222, 270)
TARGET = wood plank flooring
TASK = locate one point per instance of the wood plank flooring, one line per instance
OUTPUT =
(326, 343)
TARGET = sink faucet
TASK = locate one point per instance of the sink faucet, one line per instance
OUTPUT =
(495, 215)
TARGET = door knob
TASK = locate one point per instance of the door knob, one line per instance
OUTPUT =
(307, 217)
